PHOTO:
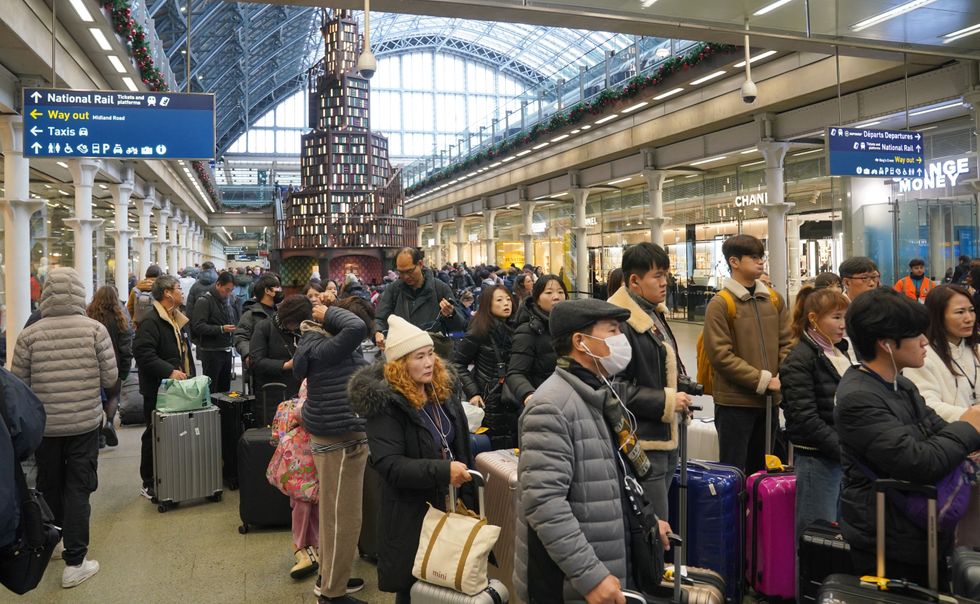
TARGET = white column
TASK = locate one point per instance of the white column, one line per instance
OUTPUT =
(145, 239)
(184, 247)
(489, 216)
(655, 184)
(164, 218)
(527, 213)
(460, 238)
(794, 254)
(437, 256)
(580, 229)
(83, 173)
(17, 208)
(776, 209)
(100, 256)
(174, 246)
(122, 193)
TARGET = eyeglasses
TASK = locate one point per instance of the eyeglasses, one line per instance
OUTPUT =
(405, 272)
(867, 278)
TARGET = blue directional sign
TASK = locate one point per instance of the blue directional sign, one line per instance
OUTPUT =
(875, 153)
(111, 124)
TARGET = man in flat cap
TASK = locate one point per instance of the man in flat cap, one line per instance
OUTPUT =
(583, 536)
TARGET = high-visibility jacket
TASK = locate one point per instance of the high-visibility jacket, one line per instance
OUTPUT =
(906, 286)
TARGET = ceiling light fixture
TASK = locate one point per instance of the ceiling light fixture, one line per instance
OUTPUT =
(647, 3)
(100, 38)
(608, 118)
(755, 163)
(927, 128)
(558, 139)
(82, 10)
(939, 108)
(770, 7)
(664, 95)
(708, 161)
(747, 151)
(616, 182)
(807, 152)
(63, 164)
(541, 146)
(587, 126)
(890, 14)
(128, 81)
(507, 159)
(635, 107)
(961, 33)
(708, 77)
(869, 124)
(524, 152)
(64, 192)
(758, 57)
(117, 64)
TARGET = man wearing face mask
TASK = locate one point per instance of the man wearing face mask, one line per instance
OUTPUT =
(581, 537)
(266, 296)
(162, 350)
(212, 322)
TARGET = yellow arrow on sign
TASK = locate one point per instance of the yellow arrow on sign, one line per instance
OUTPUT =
(35, 113)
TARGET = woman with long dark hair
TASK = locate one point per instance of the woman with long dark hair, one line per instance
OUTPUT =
(523, 283)
(106, 309)
(532, 356)
(486, 346)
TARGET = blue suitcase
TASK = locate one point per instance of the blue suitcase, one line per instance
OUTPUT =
(715, 521)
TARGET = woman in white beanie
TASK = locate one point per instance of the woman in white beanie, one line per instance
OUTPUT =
(419, 442)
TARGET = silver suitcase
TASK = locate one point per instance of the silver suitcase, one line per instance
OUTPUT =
(427, 593)
(186, 456)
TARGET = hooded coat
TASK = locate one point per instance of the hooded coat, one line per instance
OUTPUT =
(66, 358)
(413, 473)
(144, 285)
(254, 312)
(205, 281)
(532, 355)
(271, 346)
(20, 435)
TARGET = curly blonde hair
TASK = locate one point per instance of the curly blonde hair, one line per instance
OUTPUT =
(396, 374)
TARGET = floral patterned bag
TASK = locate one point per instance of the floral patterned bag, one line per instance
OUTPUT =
(291, 469)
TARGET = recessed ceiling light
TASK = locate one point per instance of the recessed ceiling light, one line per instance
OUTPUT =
(117, 64)
(541, 146)
(45, 186)
(962, 33)
(807, 152)
(616, 182)
(558, 139)
(890, 14)
(770, 7)
(668, 93)
(128, 81)
(507, 159)
(747, 151)
(635, 107)
(758, 57)
(100, 38)
(494, 165)
(869, 124)
(63, 164)
(102, 186)
(524, 152)
(82, 10)
(927, 128)
(608, 118)
(64, 192)
(708, 161)
(586, 127)
(710, 76)
(576, 131)
(647, 3)
(939, 108)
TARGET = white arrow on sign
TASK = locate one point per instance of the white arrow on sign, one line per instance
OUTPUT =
(35, 130)
(36, 96)
(36, 146)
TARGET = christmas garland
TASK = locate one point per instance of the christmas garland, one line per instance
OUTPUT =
(578, 112)
(124, 25)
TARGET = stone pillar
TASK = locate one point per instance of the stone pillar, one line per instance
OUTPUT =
(460, 238)
(776, 209)
(174, 244)
(100, 256)
(580, 231)
(527, 234)
(17, 207)
(121, 194)
(794, 255)
(144, 241)
(162, 242)
(655, 184)
(83, 173)
(437, 256)
(184, 246)
(489, 216)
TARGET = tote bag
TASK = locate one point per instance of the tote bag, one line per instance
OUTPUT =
(178, 396)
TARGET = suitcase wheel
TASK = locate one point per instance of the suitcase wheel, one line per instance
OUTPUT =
(215, 498)
(243, 529)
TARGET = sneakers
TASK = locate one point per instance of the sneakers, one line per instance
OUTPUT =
(305, 565)
(58, 551)
(354, 585)
(109, 433)
(76, 575)
(148, 492)
(344, 599)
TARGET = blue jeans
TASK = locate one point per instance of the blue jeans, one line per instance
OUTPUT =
(817, 490)
(657, 483)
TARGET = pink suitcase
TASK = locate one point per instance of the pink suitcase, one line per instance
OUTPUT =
(770, 552)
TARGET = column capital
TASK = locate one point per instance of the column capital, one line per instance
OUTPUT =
(120, 232)
(655, 178)
(778, 209)
(83, 171)
(145, 206)
(773, 153)
(28, 205)
(579, 194)
(122, 192)
(142, 238)
(76, 223)
(165, 208)
(12, 133)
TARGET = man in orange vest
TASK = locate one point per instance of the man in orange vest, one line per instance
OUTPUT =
(916, 285)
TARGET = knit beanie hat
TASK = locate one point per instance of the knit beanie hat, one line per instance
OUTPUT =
(403, 338)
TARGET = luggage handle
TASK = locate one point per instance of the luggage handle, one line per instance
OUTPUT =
(480, 482)
(682, 482)
(633, 597)
(882, 486)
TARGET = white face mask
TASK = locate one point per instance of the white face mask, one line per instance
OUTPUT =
(620, 353)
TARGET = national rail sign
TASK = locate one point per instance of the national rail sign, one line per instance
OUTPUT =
(120, 125)
(875, 153)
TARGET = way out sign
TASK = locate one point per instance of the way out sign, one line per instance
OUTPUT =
(125, 125)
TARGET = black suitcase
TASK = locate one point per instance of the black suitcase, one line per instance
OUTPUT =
(260, 503)
(236, 417)
(367, 542)
(266, 403)
(965, 572)
(822, 552)
(849, 589)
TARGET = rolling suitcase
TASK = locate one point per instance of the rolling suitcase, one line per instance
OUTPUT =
(367, 542)
(260, 503)
(822, 552)
(426, 593)
(850, 589)
(712, 497)
(131, 402)
(702, 439)
(683, 584)
(186, 457)
(500, 470)
(770, 543)
(266, 403)
(965, 572)
(236, 413)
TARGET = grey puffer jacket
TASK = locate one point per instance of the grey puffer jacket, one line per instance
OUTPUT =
(66, 358)
(571, 513)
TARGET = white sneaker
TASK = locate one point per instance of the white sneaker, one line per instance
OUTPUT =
(76, 575)
(58, 551)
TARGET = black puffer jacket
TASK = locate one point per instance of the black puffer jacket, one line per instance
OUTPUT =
(158, 352)
(327, 357)
(254, 312)
(205, 281)
(532, 356)
(412, 470)
(809, 385)
(484, 353)
(208, 318)
(122, 343)
(271, 347)
(894, 435)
